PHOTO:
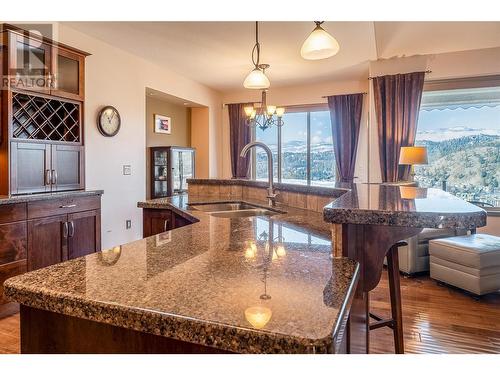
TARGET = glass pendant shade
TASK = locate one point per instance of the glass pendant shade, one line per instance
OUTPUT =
(248, 110)
(319, 45)
(280, 111)
(271, 109)
(256, 80)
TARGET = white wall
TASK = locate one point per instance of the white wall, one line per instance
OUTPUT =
(115, 77)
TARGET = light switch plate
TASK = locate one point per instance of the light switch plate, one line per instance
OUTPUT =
(128, 224)
(127, 170)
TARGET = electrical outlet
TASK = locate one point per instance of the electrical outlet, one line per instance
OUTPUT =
(128, 224)
(127, 170)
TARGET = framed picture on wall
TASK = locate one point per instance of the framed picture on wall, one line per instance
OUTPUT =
(163, 124)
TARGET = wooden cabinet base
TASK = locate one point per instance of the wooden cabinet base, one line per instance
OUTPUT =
(44, 332)
(159, 220)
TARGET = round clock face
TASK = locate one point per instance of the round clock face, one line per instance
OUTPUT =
(108, 121)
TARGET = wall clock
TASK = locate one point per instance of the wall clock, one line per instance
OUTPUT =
(108, 121)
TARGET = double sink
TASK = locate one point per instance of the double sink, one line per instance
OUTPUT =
(234, 209)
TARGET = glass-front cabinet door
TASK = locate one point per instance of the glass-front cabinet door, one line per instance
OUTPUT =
(68, 73)
(171, 167)
(187, 168)
(176, 170)
(29, 64)
(159, 169)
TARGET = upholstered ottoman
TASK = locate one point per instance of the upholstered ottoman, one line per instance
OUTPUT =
(467, 262)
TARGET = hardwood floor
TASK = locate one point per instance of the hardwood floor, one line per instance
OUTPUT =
(9, 335)
(437, 319)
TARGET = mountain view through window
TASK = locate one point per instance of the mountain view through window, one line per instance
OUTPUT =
(462, 136)
(307, 149)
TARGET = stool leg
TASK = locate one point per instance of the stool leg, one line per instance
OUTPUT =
(395, 291)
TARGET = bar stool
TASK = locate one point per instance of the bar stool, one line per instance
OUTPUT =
(396, 320)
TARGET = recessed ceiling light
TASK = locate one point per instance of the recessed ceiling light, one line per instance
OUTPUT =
(185, 103)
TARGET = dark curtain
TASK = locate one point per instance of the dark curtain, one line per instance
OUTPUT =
(397, 103)
(345, 115)
(239, 136)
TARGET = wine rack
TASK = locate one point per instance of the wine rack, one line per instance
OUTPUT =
(48, 119)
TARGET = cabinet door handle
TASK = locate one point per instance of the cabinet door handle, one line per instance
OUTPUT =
(71, 229)
(54, 177)
(65, 229)
(67, 206)
(48, 177)
(165, 225)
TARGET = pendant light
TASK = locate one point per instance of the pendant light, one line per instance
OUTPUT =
(257, 79)
(319, 44)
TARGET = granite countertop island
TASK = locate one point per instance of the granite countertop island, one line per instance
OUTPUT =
(266, 284)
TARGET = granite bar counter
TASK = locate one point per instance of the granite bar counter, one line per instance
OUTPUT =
(266, 284)
(371, 218)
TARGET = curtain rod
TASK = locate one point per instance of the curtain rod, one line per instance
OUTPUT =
(326, 96)
(425, 71)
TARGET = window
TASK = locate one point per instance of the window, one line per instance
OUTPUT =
(270, 138)
(294, 145)
(461, 130)
(307, 155)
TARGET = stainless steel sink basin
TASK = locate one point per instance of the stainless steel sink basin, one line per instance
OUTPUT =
(234, 209)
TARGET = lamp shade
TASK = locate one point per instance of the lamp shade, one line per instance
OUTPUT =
(256, 79)
(412, 192)
(413, 155)
(319, 45)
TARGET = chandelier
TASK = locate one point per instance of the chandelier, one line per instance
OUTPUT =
(264, 115)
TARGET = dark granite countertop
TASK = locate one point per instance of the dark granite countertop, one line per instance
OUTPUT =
(404, 206)
(23, 198)
(203, 283)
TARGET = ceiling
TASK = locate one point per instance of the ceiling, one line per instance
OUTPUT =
(217, 54)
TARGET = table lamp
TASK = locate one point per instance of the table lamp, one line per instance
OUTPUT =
(413, 155)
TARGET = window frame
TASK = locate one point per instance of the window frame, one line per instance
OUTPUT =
(303, 108)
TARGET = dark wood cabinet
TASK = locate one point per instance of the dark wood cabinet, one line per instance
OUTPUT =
(30, 171)
(41, 167)
(69, 74)
(62, 229)
(41, 114)
(29, 63)
(84, 233)
(41, 66)
(40, 233)
(46, 241)
(67, 167)
(156, 221)
(170, 168)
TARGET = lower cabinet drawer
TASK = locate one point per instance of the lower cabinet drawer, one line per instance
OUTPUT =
(12, 212)
(52, 207)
